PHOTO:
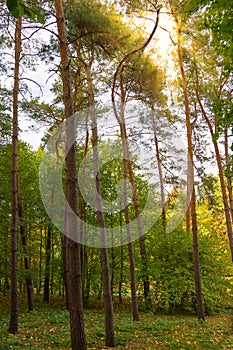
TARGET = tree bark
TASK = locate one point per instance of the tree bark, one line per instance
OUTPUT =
(13, 327)
(108, 303)
(64, 242)
(220, 169)
(190, 184)
(75, 298)
(141, 48)
(133, 283)
(128, 166)
(228, 175)
(159, 164)
(28, 280)
(47, 263)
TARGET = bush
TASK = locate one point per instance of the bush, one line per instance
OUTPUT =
(172, 272)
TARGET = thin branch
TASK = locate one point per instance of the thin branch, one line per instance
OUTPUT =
(130, 53)
(168, 31)
(33, 81)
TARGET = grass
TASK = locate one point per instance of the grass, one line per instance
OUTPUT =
(47, 327)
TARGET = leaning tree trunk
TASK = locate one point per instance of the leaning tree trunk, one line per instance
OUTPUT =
(13, 327)
(141, 48)
(129, 169)
(75, 298)
(108, 303)
(220, 169)
(190, 185)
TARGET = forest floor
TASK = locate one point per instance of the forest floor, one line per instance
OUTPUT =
(47, 327)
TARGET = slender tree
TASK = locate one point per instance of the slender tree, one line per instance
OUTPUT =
(226, 202)
(13, 328)
(27, 265)
(191, 187)
(73, 249)
(125, 146)
(108, 303)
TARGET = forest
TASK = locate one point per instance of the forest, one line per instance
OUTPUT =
(116, 163)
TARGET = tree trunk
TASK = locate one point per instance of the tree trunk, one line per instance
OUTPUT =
(13, 327)
(65, 268)
(47, 263)
(73, 249)
(39, 283)
(128, 166)
(228, 175)
(159, 164)
(133, 283)
(108, 303)
(190, 184)
(220, 170)
(29, 284)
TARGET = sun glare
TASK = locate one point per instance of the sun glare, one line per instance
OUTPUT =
(162, 43)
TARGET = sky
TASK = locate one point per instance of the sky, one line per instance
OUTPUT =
(33, 134)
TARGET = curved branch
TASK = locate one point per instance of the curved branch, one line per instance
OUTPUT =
(33, 81)
(130, 53)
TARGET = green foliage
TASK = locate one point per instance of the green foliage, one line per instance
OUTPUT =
(218, 17)
(171, 268)
(18, 9)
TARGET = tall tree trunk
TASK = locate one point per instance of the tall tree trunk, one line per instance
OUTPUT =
(121, 263)
(47, 263)
(133, 283)
(28, 280)
(73, 249)
(190, 185)
(13, 327)
(228, 174)
(220, 169)
(159, 164)
(39, 283)
(65, 268)
(108, 303)
(141, 48)
(128, 165)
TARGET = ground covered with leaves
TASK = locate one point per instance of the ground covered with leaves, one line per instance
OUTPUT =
(47, 327)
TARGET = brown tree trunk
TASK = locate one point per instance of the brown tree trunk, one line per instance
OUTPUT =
(13, 327)
(39, 283)
(190, 184)
(128, 166)
(220, 170)
(141, 48)
(75, 298)
(47, 263)
(133, 283)
(159, 164)
(65, 268)
(108, 303)
(121, 274)
(28, 280)
(228, 174)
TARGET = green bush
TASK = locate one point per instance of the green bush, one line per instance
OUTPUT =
(172, 272)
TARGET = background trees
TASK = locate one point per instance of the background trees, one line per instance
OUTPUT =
(99, 41)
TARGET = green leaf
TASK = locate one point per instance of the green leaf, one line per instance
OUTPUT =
(215, 137)
(18, 9)
(40, 18)
(21, 9)
(13, 8)
(29, 12)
